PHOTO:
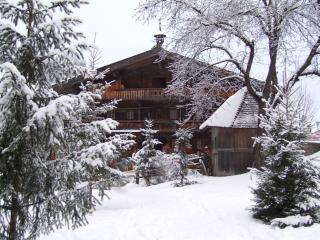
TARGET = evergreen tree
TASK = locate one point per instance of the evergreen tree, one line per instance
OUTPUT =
(287, 191)
(146, 155)
(183, 137)
(49, 157)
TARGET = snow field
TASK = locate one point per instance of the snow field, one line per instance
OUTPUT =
(216, 208)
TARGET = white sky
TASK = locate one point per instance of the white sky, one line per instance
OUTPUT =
(119, 35)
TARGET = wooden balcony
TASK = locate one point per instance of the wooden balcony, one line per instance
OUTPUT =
(153, 94)
(160, 125)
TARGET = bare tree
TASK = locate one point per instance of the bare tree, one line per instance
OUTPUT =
(237, 35)
(307, 109)
(201, 87)
(234, 34)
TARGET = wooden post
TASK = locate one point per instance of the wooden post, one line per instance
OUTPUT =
(139, 111)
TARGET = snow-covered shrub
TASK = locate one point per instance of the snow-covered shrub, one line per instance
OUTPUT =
(170, 164)
(287, 191)
(169, 168)
(50, 155)
(145, 157)
(183, 137)
(294, 221)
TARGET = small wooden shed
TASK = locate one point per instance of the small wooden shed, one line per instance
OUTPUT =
(232, 127)
(312, 143)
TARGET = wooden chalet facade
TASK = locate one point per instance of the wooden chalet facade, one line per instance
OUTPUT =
(232, 127)
(140, 82)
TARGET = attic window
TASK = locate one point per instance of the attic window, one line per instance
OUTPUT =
(159, 82)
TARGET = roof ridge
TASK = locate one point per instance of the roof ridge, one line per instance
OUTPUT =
(152, 51)
(240, 106)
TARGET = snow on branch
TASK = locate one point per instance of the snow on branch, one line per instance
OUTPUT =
(13, 81)
(57, 113)
(236, 35)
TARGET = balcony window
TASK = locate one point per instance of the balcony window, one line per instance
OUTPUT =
(120, 115)
(199, 144)
(173, 115)
(159, 83)
(130, 115)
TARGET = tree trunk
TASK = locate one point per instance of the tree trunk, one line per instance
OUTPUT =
(137, 176)
(15, 208)
(258, 157)
(13, 219)
(146, 177)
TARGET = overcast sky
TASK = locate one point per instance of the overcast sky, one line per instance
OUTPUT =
(119, 35)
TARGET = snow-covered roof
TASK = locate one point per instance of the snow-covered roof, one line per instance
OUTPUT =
(315, 158)
(314, 137)
(238, 111)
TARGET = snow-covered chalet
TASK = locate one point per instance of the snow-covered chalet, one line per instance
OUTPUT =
(140, 82)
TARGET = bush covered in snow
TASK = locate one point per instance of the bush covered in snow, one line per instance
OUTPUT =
(145, 158)
(183, 137)
(155, 166)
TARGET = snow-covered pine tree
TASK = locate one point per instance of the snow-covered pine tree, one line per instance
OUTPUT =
(287, 191)
(145, 156)
(49, 158)
(183, 137)
(94, 129)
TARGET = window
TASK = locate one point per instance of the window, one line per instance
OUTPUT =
(199, 144)
(130, 115)
(173, 114)
(120, 115)
(159, 83)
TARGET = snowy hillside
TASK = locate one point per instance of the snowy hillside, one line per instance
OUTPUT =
(213, 209)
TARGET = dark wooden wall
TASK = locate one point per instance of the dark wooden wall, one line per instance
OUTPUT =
(232, 150)
(141, 86)
(312, 147)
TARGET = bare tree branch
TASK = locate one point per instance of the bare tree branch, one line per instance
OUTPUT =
(311, 73)
(295, 77)
(238, 34)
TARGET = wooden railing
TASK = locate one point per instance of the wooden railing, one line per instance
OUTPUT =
(136, 94)
(161, 125)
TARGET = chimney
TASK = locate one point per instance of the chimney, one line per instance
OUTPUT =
(159, 37)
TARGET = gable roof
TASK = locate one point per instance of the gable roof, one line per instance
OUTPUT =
(153, 52)
(157, 53)
(72, 86)
(238, 111)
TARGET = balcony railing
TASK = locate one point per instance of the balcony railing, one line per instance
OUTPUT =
(136, 94)
(161, 125)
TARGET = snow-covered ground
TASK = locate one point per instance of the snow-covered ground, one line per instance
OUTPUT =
(215, 208)
(315, 158)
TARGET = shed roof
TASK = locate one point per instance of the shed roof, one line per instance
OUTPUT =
(314, 137)
(238, 111)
